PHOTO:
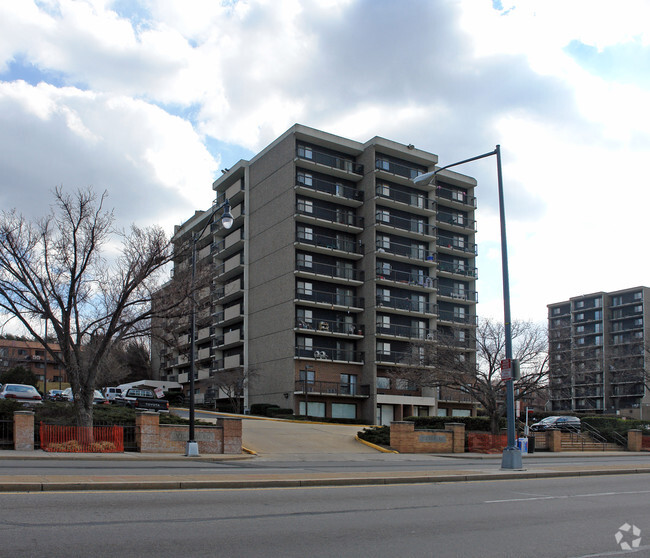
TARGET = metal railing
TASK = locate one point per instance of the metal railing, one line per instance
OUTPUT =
(327, 187)
(337, 299)
(407, 304)
(329, 326)
(329, 353)
(396, 168)
(419, 201)
(332, 242)
(331, 388)
(310, 153)
(330, 270)
(334, 215)
(410, 277)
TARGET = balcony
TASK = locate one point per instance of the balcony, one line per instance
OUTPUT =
(407, 251)
(343, 217)
(331, 388)
(397, 169)
(457, 268)
(456, 197)
(411, 227)
(399, 357)
(329, 327)
(411, 278)
(334, 271)
(396, 198)
(455, 220)
(408, 332)
(329, 298)
(314, 155)
(452, 244)
(331, 243)
(329, 354)
(457, 294)
(404, 304)
(454, 317)
(326, 190)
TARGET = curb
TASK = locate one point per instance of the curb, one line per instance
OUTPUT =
(107, 486)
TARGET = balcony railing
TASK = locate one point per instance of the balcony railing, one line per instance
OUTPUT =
(337, 299)
(327, 187)
(399, 357)
(458, 269)
(411, 251)
(329, 353)
(329, 326)
(332, 242)
(419, 201)
(406, 331)
(407, 305)
(413, 279)
(334, 215)
(456, 220)
(310, 153)
(396, 168)
(453, 292)
(418, 226)
(455, 196)
(457, 244)
(329, 270)
(331, 388)
(450, 316)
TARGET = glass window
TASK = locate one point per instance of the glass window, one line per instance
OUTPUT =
(383, 383)
(383, 347)
(383, 216)
(316, 409)
(305, 288)
(305, 206)
(305, 233)
(344, 410)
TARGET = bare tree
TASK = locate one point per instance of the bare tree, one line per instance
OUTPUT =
(53, 269)
(446, 363)
(230, 384)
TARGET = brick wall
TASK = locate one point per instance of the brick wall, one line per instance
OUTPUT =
(405, 439)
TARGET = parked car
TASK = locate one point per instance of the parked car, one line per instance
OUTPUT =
(55, 395)
(565, 424)
(98, 398)
(22, 393)
(144, 399)
(111, 393)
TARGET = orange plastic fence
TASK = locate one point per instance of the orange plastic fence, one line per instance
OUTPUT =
(645, 443)
(79, 439)
(484, 442)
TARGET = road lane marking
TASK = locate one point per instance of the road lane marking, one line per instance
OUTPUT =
(562, 497)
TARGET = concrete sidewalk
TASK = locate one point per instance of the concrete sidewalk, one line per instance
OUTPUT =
(455, 472)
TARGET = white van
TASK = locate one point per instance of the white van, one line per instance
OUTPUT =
(111, 393)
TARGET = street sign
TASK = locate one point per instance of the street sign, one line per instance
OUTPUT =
(506, 369)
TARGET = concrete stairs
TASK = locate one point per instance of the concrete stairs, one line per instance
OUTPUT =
(583, 441)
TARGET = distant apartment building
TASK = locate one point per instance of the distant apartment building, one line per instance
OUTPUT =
(336, 267)
(598, 353)
(32, 356)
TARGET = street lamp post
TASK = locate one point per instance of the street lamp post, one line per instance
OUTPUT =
(45, 360)
(511, 458)
(192, 447)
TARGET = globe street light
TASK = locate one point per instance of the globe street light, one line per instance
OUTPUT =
(192, 447)
(511, 458)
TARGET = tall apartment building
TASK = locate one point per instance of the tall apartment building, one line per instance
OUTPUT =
(336, 263)
(598, 347)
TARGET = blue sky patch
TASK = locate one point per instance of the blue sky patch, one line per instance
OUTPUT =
(229, 152)
(623, 63)
(21, 68)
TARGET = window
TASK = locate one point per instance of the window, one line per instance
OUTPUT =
(383, 270)
(348, 384)
(638, 296)
(305, 261)
(383, 216)
(307, 376)
(383, 190)
(305, 233)
(305, 152)
(305, 318)
(579, 304)
(305, 346)
(383, 348)
(638, 308)
(383, 295)
(305, 288)
(383, 383)
(305, 178)
(580, 329)
(383, 322)
(315, 409)
(404, 384)
(383, 242)
(344, 410)
(306, 206)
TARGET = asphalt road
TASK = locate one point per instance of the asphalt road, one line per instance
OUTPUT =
(543, 518)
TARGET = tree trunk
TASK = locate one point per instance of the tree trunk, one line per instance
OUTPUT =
(494, 422)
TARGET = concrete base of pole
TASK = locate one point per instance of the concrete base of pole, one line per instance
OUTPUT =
(192, 449)
(511, 459)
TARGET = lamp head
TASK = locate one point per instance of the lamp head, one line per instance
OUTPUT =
(426, 178)
(227, 219)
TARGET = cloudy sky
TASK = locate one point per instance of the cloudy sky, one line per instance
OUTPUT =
(149, 99)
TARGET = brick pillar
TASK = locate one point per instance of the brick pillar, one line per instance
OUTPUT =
(634, 440)
(146, 431)
(24, 430)
(232, 431)
(402, 436)
(458, 430)
(554, 440)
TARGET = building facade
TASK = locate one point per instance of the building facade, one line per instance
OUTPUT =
(32, 356)
(336, 269)
(598, 353)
